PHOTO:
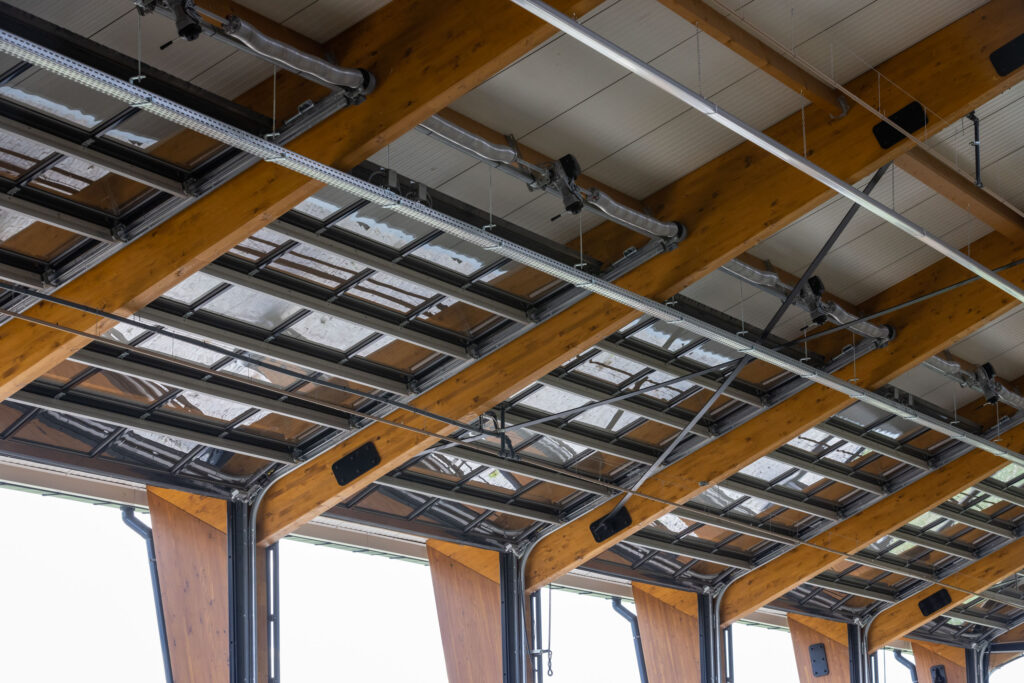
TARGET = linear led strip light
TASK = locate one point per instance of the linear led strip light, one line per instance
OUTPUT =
(268, 151)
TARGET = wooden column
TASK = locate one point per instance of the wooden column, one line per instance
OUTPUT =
(669, 632)
(928, 655)
(811, 631)
(191, 555)
(468, 601)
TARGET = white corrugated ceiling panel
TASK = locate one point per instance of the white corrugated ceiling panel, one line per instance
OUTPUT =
(561, 73)
(83, 18)
(275, 10)
(936, 388)
(691, 140)
(234, 75)
(183, 59)
(629, 108)
(325, 19)
(845, 39)
(1000, 343)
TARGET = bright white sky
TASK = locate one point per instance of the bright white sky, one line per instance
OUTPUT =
(77, 606)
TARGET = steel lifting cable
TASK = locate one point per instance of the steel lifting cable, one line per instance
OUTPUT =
(239, 379)
(795, 541)
(617, 489)
(899, 306)
(781, 310)
(498, 432)
(246, 357)
(242, 356)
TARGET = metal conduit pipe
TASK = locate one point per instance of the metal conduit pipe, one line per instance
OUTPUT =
(269, 151)
(808, 300)
(459, 137)
(708, 108)
(301, 63)
(558, 179)
(136, 525)
(629, 218)
(241, 34)
(901, 658)
(981, 380)
(634, 625)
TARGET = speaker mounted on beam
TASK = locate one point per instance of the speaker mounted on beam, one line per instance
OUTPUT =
(355, 464)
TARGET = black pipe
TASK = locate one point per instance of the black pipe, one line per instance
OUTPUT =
(136, 525)
(513, 629)
(901, 658)
(634, 624)
(241, 629)
(977, 147)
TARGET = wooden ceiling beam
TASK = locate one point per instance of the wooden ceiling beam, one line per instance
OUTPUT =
(976, 201)
(728, 205)
(422, 59)
(925, 167)
(801, 564)
(755, 51)
(923, 330)
(906, 615)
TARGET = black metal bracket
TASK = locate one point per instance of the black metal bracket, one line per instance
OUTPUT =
(1009, 57)
(934, 602)
(938, 673)
(819, 660)
(609, 525)
(355, 464)
(911, 118)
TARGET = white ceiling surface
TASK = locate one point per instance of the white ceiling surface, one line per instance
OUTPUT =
(564, 98)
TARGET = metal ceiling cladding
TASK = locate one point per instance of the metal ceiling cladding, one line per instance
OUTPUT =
(270, 152)
(713, 111)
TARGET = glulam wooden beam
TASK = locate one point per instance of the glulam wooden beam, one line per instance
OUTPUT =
(755, 51)
(907, 615)
(831, 636)
(669, 633)
(923, 330)
(981, 204)
(728, 205)
(423, 60)
(192, 562)
(800, 564)
(925, 167)
(468, 598)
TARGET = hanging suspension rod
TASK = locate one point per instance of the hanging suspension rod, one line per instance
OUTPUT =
(713, 111)
(269, 151)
